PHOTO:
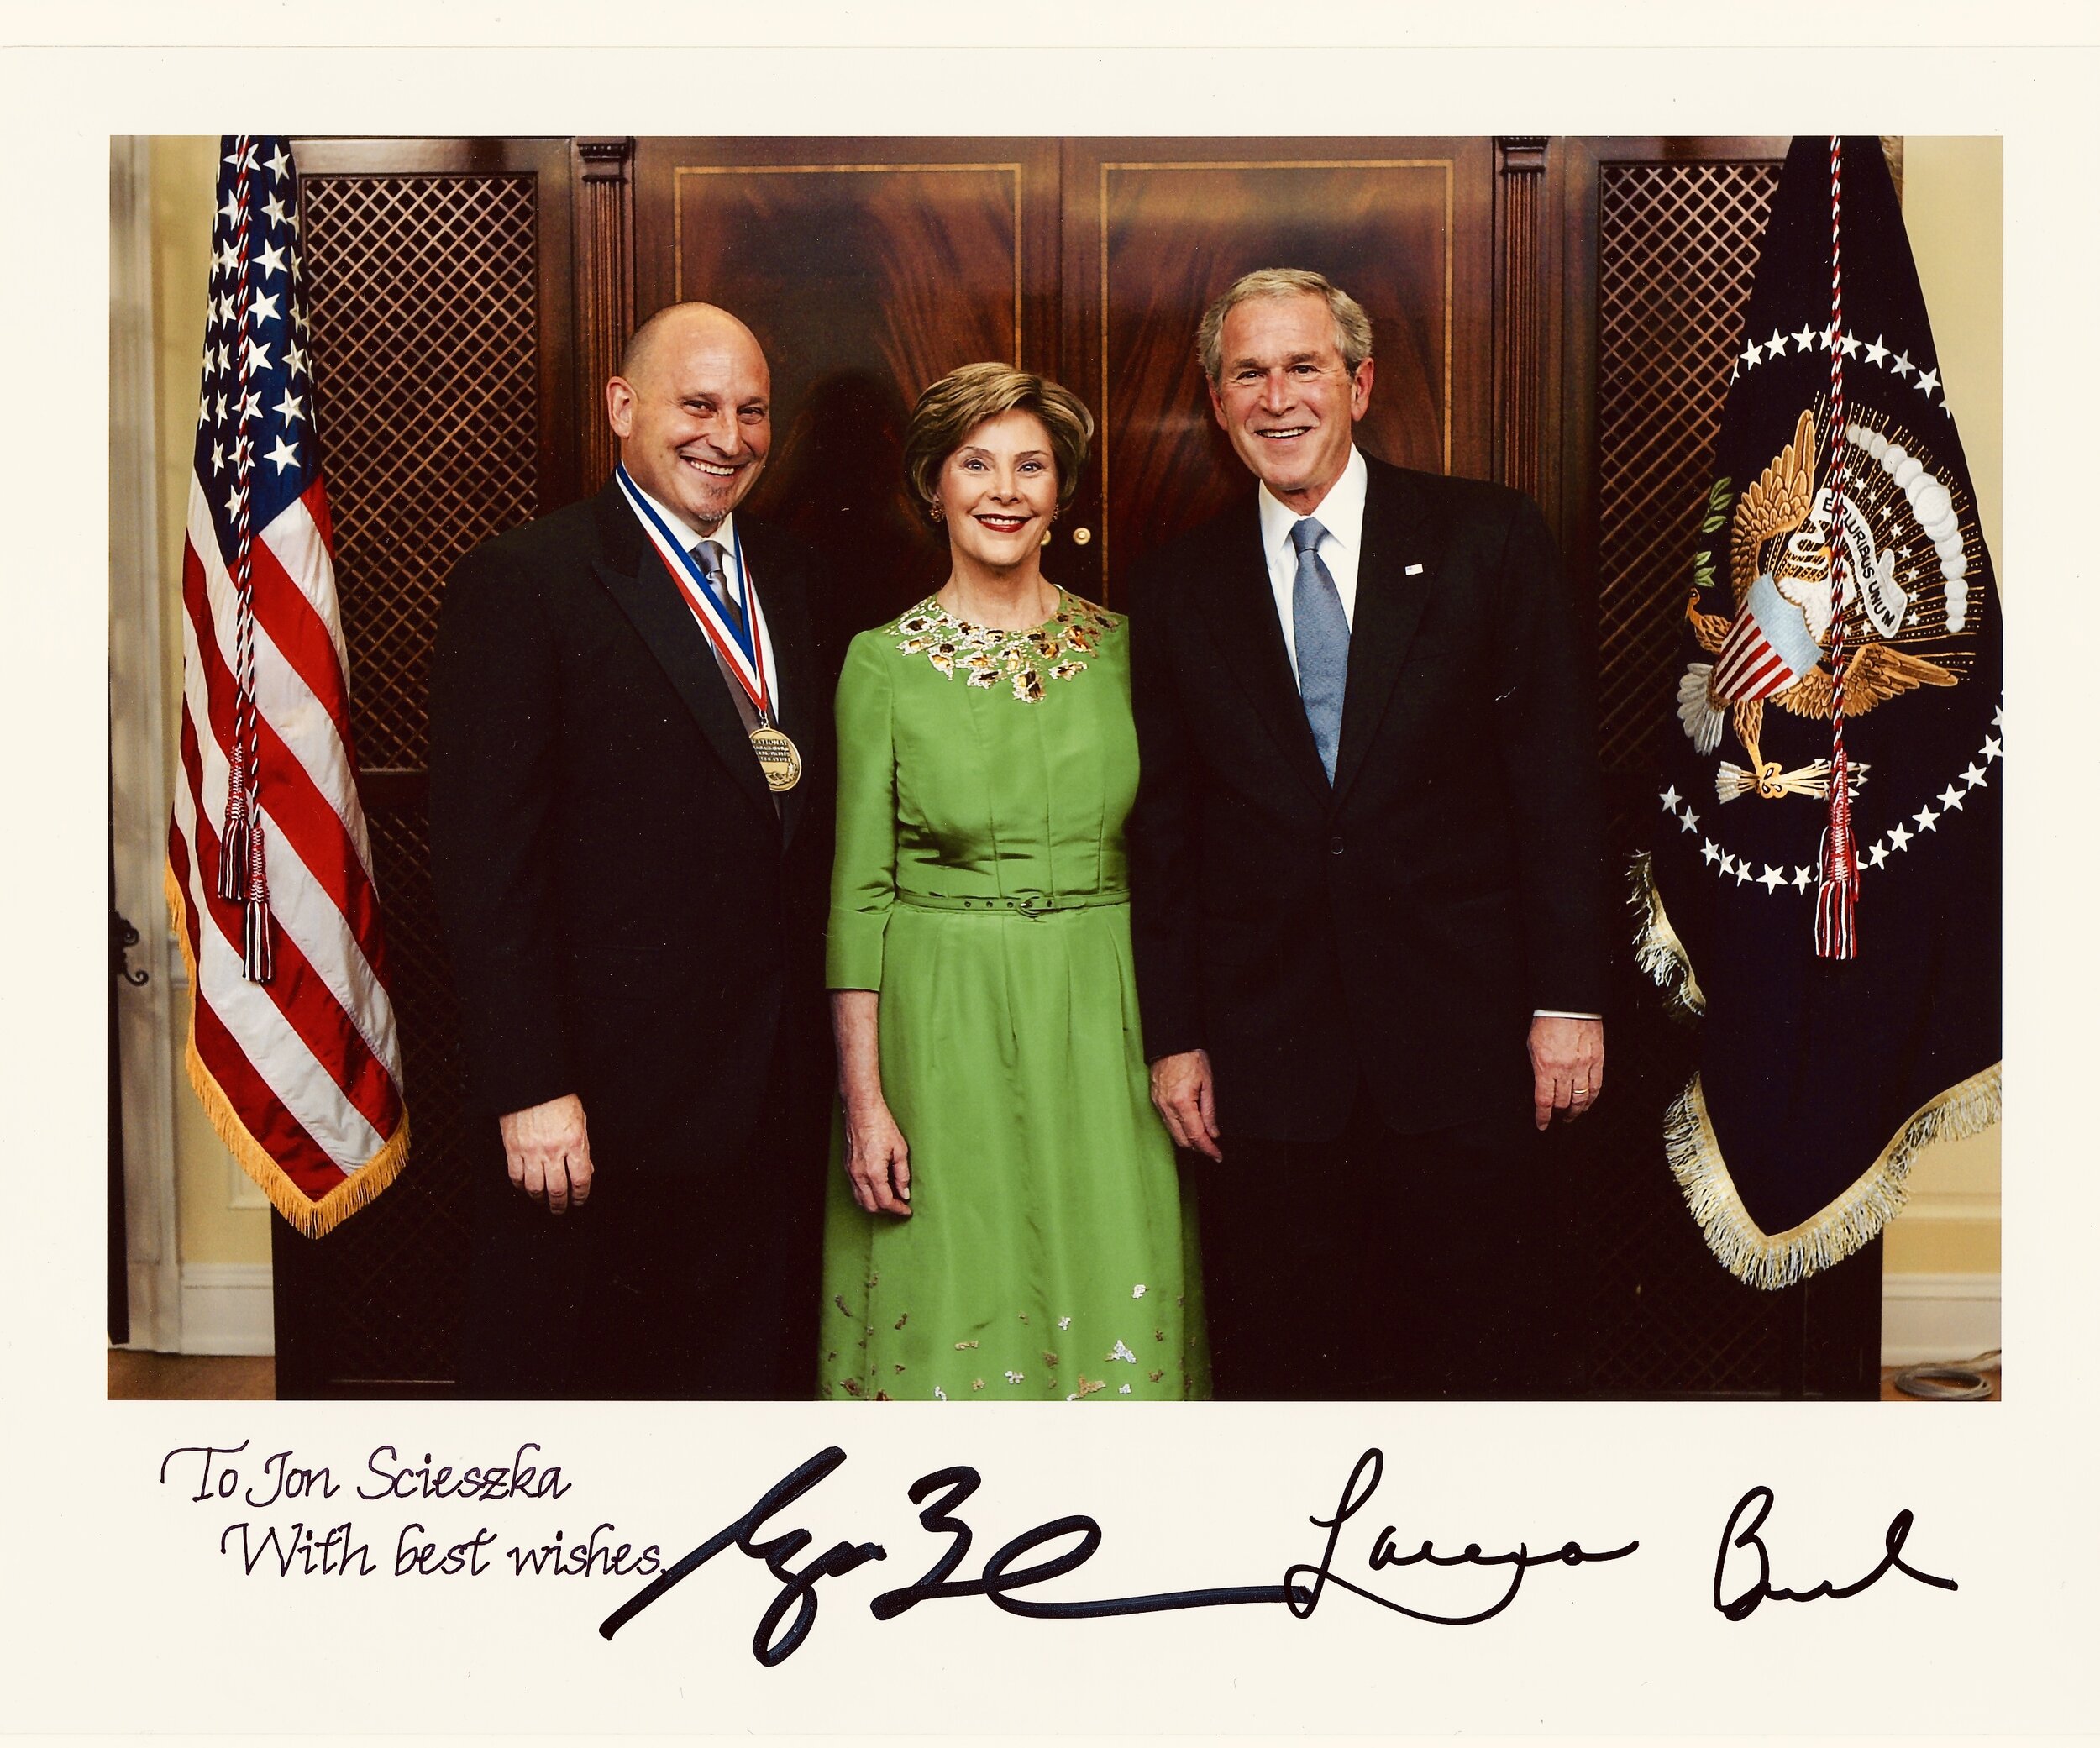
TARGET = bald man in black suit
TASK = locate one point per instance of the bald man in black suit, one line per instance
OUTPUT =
(635, 911)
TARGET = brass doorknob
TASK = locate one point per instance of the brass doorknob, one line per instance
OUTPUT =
(1081, 536)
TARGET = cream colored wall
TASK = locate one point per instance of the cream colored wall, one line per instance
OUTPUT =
(1954, 208)
(209, 1228)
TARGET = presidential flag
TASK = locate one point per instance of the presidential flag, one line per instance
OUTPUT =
(291, 1048)
(1823, 886)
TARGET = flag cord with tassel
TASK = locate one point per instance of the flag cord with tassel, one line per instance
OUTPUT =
(299, 1074)
(243, 873)
(1837, 892)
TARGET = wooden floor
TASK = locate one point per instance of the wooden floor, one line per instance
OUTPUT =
(190, 1376)
(202, 1378)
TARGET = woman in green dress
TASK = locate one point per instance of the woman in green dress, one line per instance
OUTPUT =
(1008, 1223)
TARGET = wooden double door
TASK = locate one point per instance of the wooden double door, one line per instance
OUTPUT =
(1555, 313)
(869, 267)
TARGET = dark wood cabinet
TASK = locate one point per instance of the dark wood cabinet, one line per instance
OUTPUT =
(438, 279)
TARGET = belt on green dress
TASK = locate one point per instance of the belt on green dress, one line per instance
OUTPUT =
(1029, 905)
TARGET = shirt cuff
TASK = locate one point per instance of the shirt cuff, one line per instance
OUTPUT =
(1554, 1013)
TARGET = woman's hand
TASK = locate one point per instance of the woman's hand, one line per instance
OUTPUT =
(878, 1162)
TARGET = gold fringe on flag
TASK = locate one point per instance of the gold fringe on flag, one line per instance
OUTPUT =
(1844, 1225)
(312, 1220)
(1657, 949)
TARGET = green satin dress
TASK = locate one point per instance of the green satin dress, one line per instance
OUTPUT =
(981, 887)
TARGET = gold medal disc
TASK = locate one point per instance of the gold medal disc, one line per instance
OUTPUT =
(777, 758)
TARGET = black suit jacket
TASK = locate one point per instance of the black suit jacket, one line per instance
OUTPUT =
(630, 918)
(1402, 925)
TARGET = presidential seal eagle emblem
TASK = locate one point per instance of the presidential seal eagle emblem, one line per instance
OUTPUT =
(1911, 543)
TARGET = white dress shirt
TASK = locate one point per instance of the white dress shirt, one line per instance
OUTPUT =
(725, 537)
(1341, 514)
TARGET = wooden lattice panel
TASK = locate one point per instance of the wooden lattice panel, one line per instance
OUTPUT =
(1677, 245)
(378, 1300)
(422, 294)
(424, 312)
(1665, 1319)
(1676, 248)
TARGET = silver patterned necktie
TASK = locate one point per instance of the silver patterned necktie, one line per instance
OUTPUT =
(1322, 631)
(710, 555)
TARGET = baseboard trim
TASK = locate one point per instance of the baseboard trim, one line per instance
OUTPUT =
(1927, 1318)
(227, 1309)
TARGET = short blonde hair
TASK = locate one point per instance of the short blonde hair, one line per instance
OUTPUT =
(963, 399)
(1352, 328)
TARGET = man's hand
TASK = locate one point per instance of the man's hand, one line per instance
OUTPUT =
(549, 1151)
(1181, 1095)
(1567, 1067)
(878, 1162)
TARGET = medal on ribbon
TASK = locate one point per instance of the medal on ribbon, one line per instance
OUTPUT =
(742, 648)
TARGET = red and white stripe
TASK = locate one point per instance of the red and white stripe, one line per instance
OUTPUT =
(300, 1074)
(1748, 667)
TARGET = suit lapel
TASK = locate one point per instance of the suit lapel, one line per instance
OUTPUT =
(1390, 607)
(633, 574)
(1243, 621)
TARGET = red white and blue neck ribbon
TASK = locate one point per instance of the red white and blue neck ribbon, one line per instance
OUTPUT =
(740, 647)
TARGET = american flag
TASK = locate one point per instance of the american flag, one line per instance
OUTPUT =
(292, 1048)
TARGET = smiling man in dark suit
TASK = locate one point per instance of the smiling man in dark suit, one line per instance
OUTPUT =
(630, 816)
(1368, 882)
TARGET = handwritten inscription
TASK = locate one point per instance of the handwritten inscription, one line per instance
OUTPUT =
(1362, 1482)
(1757, 1505)
(788, 1617)
(388, 1476)
(307, 1548)
(1395, 1572)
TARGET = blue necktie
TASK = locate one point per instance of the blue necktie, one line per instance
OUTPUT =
(710, 555)
(1322, 630)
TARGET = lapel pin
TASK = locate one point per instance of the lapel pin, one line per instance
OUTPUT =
(1414, 570)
